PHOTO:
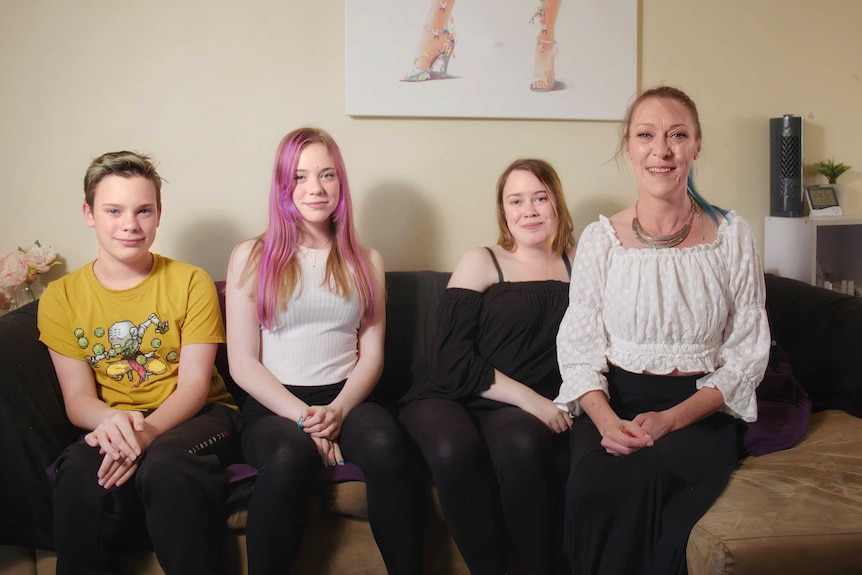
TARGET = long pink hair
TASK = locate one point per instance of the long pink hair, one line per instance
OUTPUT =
(272, 260)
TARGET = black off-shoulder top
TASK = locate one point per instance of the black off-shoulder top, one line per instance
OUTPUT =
(512, 327)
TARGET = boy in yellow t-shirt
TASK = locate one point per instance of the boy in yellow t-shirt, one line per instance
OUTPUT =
(119, 330)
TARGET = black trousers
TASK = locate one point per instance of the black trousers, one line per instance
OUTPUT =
(496, 478)
(178, 492)
(633, 513)
(288, 471)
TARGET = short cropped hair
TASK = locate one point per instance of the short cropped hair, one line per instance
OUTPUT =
(124, 164)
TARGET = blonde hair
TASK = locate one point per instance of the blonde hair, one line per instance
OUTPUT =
(124, 164)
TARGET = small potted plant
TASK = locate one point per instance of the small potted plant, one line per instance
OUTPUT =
(832, 170)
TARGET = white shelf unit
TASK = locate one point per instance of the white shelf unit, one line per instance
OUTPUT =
(793, 248)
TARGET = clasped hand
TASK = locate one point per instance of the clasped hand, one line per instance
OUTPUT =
(656, 423)
(119, 438)
(321, 421)
(626, 437)
(323, 424)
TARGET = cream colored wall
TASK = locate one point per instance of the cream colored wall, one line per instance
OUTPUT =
(209, 87)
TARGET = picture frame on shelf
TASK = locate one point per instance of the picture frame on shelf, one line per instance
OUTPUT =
(823, 201)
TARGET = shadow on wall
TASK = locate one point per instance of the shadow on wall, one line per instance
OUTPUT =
(208, 244)
(396, 220)
(587, 211)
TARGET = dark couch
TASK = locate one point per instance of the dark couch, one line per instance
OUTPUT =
(792, 511)
(34, 430)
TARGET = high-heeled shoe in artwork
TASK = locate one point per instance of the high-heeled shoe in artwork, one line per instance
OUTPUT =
(432, 63)
(544, 80)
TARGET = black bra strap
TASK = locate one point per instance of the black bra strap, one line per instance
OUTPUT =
(568, 264)
(496, 263)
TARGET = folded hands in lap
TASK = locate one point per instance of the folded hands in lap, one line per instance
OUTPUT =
(119, 439)
(323, 424)
(625, 438)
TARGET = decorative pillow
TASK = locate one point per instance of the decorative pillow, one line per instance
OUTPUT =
(783, 410)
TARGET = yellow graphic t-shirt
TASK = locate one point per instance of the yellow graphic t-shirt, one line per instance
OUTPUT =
(133, 338)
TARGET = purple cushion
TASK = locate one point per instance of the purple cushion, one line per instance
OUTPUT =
(337, 474)
(51, 471)
(239, 471)
(783, 411)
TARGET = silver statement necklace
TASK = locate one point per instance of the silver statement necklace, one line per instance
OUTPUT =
(662, 242)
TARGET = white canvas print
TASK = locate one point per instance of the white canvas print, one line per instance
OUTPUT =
(555, 59)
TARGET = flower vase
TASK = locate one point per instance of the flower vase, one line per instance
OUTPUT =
(7, 303)
(28, 292)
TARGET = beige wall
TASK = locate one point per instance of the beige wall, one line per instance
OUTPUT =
(210, 86)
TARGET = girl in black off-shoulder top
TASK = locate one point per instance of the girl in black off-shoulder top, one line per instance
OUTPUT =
(512, 327)
(481, 410)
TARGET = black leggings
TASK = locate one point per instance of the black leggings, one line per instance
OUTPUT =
(490, 467)
(289, 467)
(179, 488)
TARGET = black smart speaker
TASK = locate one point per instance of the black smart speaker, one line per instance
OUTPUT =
(785, 176)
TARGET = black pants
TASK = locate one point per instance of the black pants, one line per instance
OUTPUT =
(492, 467)
(633, 513)
(179, 487)
(289, 467)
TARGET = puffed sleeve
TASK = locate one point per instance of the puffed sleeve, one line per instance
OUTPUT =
(744, 353)
(582, 343)
(454, 368)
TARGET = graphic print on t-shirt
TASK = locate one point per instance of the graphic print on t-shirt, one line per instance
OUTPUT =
(124, 352)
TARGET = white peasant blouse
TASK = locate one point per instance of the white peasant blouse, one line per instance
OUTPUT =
(699, 309)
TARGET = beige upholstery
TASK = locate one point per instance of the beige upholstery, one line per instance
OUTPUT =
(337, 541)
(797, 511)
(17, 560)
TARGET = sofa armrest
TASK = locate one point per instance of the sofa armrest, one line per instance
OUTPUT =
(34, 428)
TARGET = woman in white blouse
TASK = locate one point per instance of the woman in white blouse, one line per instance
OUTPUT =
(662, 346)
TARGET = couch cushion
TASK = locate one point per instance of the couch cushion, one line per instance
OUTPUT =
(821, 331)
(793, 511)
(412, 299)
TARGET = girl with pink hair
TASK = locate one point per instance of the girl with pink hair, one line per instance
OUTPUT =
(305, 306)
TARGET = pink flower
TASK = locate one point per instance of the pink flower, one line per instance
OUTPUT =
(39, 259)
(13, 270)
